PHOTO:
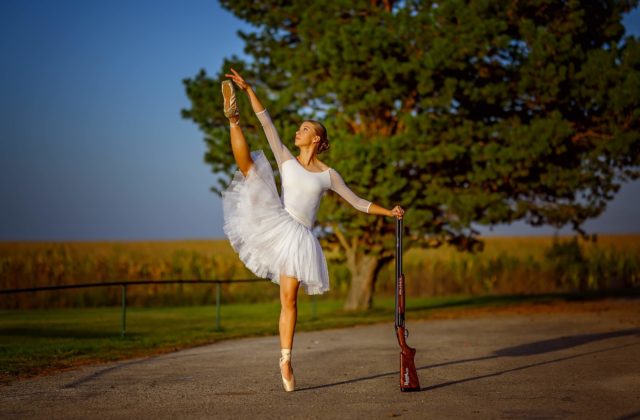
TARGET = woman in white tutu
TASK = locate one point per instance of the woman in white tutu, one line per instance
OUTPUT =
(273, 236)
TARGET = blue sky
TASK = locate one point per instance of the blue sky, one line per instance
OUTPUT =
(92, 145)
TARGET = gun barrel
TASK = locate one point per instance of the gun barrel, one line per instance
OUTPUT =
(398, 320)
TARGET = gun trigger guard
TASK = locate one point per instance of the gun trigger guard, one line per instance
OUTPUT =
(406, 333)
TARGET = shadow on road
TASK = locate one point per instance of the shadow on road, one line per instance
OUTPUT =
(528, 349)
(103, 372)
(561, 343)
(489, 375)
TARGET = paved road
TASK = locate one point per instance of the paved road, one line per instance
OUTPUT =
(531, 366)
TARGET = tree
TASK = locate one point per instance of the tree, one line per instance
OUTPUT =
(480, 112)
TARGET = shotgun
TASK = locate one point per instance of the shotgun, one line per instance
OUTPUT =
(408, 374)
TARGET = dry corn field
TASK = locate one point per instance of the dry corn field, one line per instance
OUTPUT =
(507, 265)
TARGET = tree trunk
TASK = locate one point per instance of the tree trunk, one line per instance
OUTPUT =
(364, 271)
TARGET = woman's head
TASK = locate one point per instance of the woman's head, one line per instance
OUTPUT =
(311, 132)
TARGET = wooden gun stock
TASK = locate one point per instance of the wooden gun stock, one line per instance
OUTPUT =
(408, 373)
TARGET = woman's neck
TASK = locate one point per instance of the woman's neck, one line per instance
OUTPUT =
(306, 156)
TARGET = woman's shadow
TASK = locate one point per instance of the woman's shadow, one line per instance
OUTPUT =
(528, 349)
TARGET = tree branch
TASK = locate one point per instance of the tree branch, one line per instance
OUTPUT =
(341, 237)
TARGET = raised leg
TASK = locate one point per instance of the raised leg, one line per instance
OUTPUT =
(240, 148)
(288, 316)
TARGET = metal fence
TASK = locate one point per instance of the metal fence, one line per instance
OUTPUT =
(125, 284)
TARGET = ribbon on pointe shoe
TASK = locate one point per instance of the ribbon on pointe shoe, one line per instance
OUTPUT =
(289, 385)
(229, 96)
(285, 356)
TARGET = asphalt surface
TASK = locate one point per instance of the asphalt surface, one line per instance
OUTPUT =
(524, 366)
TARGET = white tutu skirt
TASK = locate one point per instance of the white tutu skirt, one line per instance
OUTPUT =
(268, 240)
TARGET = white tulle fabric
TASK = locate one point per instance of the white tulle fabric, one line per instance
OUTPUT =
(267, 238)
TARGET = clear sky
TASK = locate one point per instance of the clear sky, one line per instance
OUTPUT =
(92, 144)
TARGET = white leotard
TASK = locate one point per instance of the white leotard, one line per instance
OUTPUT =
(302, 189)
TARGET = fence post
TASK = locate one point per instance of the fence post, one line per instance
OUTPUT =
(124, 308)
(217, 306)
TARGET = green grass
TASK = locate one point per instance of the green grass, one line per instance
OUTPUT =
(35, 341)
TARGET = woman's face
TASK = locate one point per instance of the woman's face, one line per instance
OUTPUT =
(306, 135)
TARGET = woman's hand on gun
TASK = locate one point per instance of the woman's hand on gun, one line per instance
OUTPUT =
(397, 211)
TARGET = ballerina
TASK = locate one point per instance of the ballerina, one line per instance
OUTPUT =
(272, 235)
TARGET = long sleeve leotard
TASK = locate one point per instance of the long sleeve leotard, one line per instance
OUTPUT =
(302, 189)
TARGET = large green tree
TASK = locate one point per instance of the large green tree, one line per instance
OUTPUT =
(462, 112)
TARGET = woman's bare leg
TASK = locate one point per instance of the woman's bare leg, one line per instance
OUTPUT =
(288, 316)
(240, 148)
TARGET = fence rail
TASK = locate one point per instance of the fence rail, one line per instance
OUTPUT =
(125, 284)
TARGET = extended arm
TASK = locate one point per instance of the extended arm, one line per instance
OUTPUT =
(280, 151)
(338, 185)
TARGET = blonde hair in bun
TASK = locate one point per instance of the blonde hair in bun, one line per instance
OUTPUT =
(322, 132)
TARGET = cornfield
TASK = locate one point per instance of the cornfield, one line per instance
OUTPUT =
(516, 265)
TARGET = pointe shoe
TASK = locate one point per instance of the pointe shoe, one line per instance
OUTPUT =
(229, 96)
(289, 385)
